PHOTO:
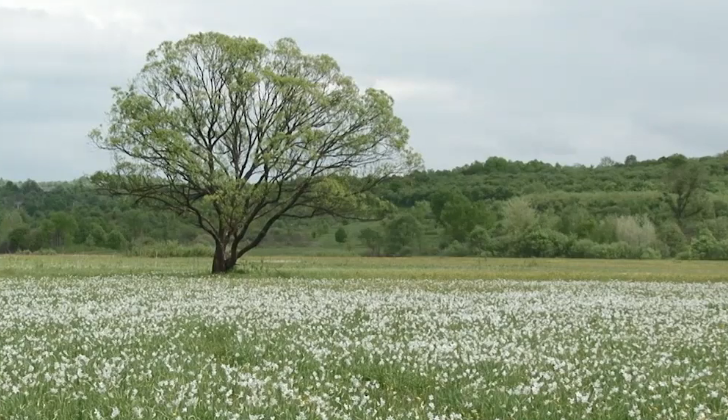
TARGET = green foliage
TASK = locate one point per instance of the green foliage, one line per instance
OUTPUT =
(606, 161)
(341, 236)
(637, 231)
(605, 231)
(311, 142)
(718, 227)
(518, 216)
(576, 220)
(373, 240)
(456, 249)
(615, 250)
(541, 242)
(320, 228)
(706, 247)
(584, 248)
(116, 240)
(459, 217)
(10, 221)
(438, 200)
(422, 211)
(18, 239)
(479, 240)
(673, 237)
(90, 241)
(62, 229)
(684, 255)
(97, 236)
(685, 186)
(498, 208)
(651, 254)
(403, 235)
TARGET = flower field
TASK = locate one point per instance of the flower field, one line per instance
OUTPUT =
(165, 347)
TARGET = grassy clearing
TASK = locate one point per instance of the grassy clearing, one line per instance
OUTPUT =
(141, 347)
(435, 268)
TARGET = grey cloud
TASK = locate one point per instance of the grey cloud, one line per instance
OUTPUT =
(704, 137)
(48, 151)
(565, 80)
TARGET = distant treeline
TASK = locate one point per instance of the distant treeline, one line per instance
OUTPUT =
(672, 207)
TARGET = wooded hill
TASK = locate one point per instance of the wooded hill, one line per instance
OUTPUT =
(661, 208)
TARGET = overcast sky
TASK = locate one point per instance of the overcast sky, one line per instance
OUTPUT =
(556, 80)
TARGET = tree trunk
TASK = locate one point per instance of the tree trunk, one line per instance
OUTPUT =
(220, 264)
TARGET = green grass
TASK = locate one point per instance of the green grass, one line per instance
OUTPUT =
(435, 268)
(325, 245)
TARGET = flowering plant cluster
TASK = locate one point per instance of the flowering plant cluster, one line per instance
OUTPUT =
(171, 348)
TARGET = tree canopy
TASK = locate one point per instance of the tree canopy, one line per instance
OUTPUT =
(234, 135)
(515, 209)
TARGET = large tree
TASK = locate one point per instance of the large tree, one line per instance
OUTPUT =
(235, 135)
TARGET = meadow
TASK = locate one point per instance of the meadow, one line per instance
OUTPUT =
(348, 267)
(99, 337)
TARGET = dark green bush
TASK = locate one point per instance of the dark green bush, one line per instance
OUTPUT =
(583, 248)
(651, 254)
(543, 243)
(340, 235)
(456, 249)
(706, 247)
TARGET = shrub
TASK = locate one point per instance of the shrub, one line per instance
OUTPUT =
(373, 240)
(456, 249)
(503, 246)
(622, 250)
(341, 236)
(576, 220)
(98, 235)
(404, 251)
(663, 249)
(583, 248)
(460, 216)
(479, 240)
(604, 232)
(706, 247)
(518, 215)
(402, 231)
(651, 254)
(115, 240)
(18, 239)
(545, 243)
(614, 251)
(636, 231)
(673, 237)
(90, 241)
(718, 227)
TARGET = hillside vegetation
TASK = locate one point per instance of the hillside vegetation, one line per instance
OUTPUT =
(672, 207)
